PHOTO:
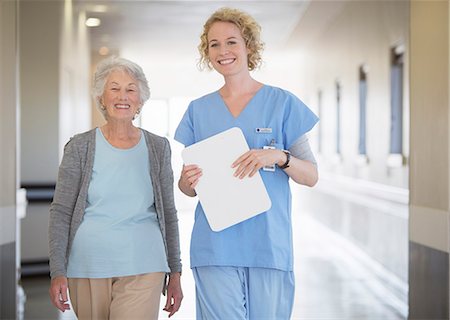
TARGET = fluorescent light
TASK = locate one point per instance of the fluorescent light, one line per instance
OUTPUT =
(93, 22)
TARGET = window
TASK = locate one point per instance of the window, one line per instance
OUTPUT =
(338, 118)
(319, 111)
(362, 109)
(396, 130)
(155, 117)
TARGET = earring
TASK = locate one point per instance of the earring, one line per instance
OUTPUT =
(137, 113)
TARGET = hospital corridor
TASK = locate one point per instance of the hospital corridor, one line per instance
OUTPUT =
(371, 78)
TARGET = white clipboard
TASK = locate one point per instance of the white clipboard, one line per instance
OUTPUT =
(226, 200)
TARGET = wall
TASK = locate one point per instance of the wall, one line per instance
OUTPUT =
(74, 75)
(40, 23)
(8, 158)
(364, 199)
(55, 104)
(55, 85)
(357, 33)
(429, 182)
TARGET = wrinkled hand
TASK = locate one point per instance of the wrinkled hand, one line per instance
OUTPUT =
(58, 293)
(174, 294)
(250, 162)
(190, 176)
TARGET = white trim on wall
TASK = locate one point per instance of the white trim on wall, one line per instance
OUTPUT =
(429, 227)
(388, 199)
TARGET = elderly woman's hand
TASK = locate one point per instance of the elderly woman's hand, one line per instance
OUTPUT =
(58, 293)
(174, 294)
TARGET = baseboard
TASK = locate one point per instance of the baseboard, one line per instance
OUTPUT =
(34, 268)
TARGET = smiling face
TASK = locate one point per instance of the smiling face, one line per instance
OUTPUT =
(226, 49)
(121, 96)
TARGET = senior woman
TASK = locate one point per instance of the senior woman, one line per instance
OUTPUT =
(113, 232)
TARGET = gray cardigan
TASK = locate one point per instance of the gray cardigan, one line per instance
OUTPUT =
(69, 201)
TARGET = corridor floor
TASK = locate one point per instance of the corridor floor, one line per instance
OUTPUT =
(328, 284)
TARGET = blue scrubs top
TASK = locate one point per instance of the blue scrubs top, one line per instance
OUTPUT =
(272, 117)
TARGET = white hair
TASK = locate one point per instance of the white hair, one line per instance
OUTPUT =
(113, 63)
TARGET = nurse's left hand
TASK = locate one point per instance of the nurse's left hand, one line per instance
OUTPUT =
(250, 162)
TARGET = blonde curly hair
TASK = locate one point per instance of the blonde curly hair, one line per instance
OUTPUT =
(250, 31)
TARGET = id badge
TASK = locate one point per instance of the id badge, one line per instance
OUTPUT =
(272, 167)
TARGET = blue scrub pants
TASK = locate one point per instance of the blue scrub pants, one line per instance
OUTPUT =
(241, 293)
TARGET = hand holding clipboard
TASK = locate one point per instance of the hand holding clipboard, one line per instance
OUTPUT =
(226, 200)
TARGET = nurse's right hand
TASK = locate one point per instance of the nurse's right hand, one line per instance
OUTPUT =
(189, 178)
(58, 293)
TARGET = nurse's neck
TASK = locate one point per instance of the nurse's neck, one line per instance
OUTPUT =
(239, 87)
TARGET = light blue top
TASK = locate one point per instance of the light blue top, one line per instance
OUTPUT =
(265, 240)
(119, 234)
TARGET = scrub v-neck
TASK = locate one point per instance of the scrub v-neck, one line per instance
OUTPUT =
(247, 106)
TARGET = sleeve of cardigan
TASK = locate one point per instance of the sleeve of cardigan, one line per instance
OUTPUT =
(62, 207)
(170, 212)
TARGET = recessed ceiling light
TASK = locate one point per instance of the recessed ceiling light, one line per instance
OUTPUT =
(103, 51)
(93, 22)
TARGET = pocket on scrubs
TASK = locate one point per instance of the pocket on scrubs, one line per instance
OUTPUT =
(263, 139)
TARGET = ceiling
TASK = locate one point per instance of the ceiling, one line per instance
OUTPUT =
(173, 27)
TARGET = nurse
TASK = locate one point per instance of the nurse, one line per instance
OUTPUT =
(246, 270)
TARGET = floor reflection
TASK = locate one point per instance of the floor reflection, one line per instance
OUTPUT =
(328, 284)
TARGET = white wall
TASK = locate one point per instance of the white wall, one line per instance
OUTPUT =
(39, 79)
(8, 157)
(55, 100)
(429, 227)
(74, 93)
(365, 203)
(55, 81)
(355, 33)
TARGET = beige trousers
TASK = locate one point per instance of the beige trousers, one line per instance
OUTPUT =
(131, 297)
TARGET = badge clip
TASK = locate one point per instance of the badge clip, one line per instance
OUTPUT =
(271, 146)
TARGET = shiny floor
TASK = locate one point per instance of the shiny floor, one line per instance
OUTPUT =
(328, 283)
